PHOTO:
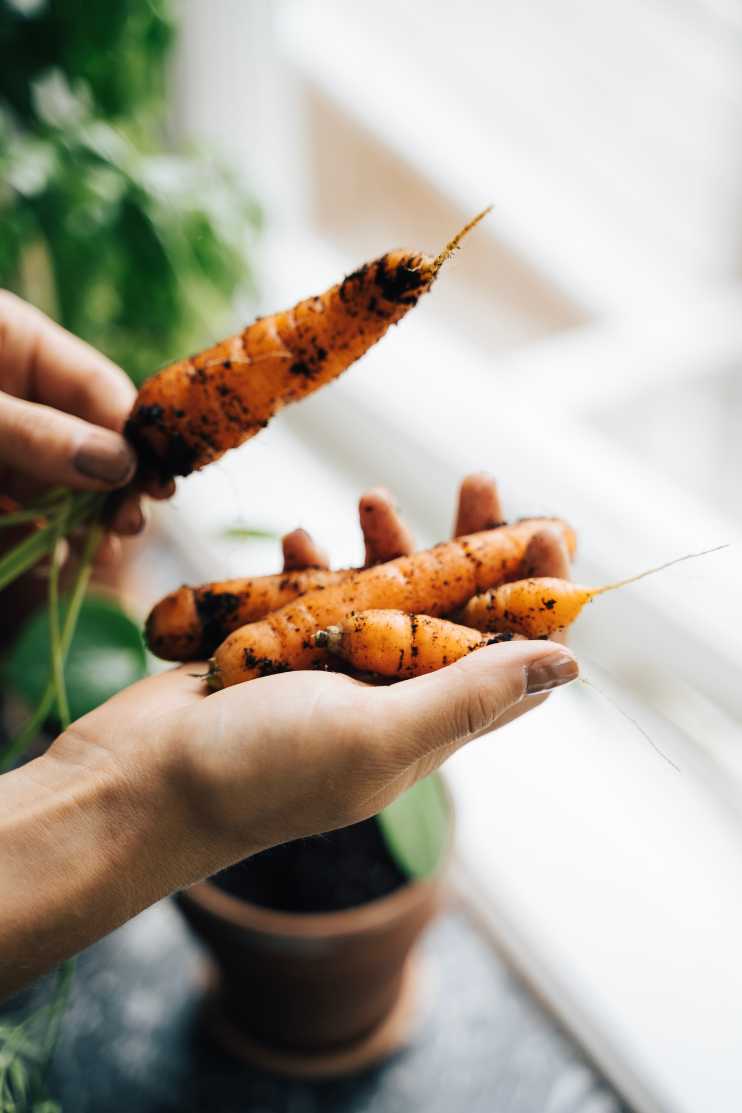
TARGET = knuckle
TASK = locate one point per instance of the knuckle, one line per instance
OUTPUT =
(11, 303)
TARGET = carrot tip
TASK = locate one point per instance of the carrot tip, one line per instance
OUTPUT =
(213, 677)
(453, 244)
(329, 638)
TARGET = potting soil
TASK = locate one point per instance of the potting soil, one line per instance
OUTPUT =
(324, 873)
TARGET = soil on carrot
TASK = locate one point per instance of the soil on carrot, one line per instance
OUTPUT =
(325, 873)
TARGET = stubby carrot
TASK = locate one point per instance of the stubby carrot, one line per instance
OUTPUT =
(542, 606)
(435, 582)
(398, 645)
(193, 411)
(190, 622)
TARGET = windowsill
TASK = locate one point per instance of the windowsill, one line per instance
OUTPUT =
(602, 224)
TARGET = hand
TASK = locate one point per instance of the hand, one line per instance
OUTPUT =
(163, 785)
(62, 408)
(296, 754)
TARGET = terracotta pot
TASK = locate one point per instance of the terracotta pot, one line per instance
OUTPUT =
(317, 993)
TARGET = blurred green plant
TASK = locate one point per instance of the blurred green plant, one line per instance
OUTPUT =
(106, 653)
(138, 248)
(416, 828)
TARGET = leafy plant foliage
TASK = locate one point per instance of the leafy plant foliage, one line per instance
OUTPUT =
(135, 247)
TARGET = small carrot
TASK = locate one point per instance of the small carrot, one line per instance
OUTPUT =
(194, 410)
(540, 607)
(399, 645)
(190, 622)
(435, 581)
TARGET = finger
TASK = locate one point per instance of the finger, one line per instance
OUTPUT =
(43, 362)
(156, 488)
(385, 535)
(447, 708)
(546, 555)
(300, 551)
(479, 505)
(108, 552)
(57, 448)
(129, 517)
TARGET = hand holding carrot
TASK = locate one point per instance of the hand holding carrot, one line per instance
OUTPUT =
(62, 409)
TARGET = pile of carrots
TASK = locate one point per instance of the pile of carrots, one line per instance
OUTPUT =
(405, 613)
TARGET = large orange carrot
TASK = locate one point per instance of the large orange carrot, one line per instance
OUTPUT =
(544, 605)
(190, 622)
(399, 645)
(435, 581)
(192, 411)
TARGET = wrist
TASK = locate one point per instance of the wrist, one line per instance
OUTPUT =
(127, 789)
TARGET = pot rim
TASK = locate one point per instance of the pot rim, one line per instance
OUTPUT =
(315, 925)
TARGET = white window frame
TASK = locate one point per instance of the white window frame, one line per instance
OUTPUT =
(611, 880)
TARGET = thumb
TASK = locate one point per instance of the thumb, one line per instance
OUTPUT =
(445, 709)
(56, 447)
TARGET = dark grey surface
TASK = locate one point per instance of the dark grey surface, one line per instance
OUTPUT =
(131, 1042)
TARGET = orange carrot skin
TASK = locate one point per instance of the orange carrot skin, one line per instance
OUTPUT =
(434, 582)
(398, 645)
(190, 622)
(536, 608)
(191, 412)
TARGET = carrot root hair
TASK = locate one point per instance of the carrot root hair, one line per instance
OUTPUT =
(659, 568)
(629, 718)
(453, 244)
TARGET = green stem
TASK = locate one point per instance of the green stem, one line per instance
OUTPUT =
(29, 551)
(60, 998)
(55, 638)
(19, 518)
(20, 743)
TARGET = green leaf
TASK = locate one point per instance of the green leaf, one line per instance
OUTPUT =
(106, 655)
(246, 533)
(416, 827)
(19, 1079)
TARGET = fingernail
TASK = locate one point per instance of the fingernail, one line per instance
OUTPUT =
(106, 457)
(551, 671)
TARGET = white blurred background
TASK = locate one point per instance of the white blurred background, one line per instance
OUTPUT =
(585, 347)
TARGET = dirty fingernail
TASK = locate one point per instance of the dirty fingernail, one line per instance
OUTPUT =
(106, 457)
(551, 671)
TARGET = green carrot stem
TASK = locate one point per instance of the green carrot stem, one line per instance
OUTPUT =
(29, 551)
(20, 743)
(19, 518)
(55, 638)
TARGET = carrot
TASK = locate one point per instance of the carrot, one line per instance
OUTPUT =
(190, 622)
(194, 410)
(399, 645)
(540, 607)
(434, 581)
